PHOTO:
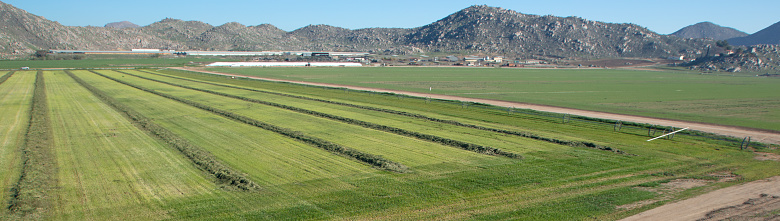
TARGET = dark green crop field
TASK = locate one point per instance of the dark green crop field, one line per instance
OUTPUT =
(746, 101)
(149, 144)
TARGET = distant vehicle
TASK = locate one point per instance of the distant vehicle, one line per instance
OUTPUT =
(25, 68)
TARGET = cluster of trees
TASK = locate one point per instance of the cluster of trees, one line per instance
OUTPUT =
(370, 159)
(45, 55)
(200, 157)
(29, 195)
(723, 44)
(446, 141)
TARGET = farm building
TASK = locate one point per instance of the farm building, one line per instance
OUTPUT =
(236, 53)
(472, 59)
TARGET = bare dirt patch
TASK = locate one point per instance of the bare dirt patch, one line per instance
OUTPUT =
(666, 191)
(765, 207)
(711, 203)
(766, 156)
(684, 184)
(637, 204)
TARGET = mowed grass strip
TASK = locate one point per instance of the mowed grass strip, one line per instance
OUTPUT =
(267, 157)
(672, 95)
(203, 159)
(406, 150)
(437, 108)
(503, 188)
(371, 159)
(409, 133)
(6, 76)
(479, 191)
(628, 140)
(546, 127)
(31, 196)
(224, 88)
(681, 147)
(108, 168)
(15, 99)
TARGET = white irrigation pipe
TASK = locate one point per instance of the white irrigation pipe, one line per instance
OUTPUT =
(668, 134)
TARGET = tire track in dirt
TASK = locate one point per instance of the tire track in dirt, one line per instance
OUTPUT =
(757, 135)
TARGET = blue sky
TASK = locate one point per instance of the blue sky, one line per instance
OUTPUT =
(662, 16)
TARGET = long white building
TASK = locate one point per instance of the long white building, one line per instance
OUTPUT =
(284, 64)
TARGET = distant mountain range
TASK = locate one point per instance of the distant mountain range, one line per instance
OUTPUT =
(477, 29)
(768, 35)
(121, 25)
(762, 54)
(474, 30)
(708, 30)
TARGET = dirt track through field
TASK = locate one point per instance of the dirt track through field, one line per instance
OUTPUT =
(698, 207)
(756, 135)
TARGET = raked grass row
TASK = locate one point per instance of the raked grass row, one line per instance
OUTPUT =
(15, 99)
(31, 196)
(107, 167)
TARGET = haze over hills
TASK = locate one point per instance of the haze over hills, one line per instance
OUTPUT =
(768, 35)
(708, 30)
(477, 29)
(121, 25)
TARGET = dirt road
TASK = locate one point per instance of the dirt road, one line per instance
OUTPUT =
(739, 132)
(697, 208)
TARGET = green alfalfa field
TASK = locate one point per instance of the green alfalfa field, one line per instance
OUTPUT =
(166, 144)
(738, 100)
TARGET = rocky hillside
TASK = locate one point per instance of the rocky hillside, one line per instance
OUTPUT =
(769, 35)
(477, 29)
(708, 30)
(759, 58)
(496, 30)
(20, 32)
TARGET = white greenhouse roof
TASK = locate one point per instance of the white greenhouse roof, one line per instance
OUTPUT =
(284, 64)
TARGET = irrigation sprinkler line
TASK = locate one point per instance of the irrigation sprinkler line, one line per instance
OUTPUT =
(668, 134)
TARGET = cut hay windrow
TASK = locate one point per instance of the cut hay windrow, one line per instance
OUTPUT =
(30, 196)
(370, 159)
(427, 137)
(418, 116)
(200, 157)
(6, 76)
